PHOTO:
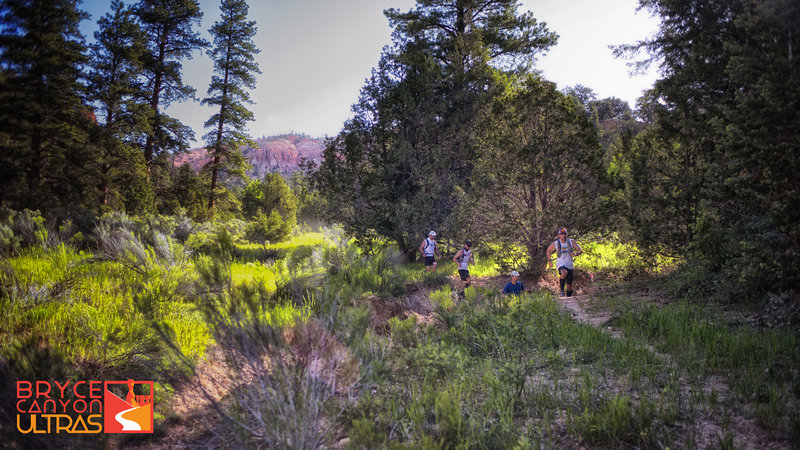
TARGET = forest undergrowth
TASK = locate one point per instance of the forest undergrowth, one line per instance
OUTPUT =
(315, 343)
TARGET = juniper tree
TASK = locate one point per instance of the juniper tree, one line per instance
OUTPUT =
(235, 68)
(721, 155)
(540, 169)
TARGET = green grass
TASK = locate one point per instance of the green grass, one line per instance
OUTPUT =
(620, 260)
(101, 317)
(252, 273)
(492, 372)
(759, 365)
(506, 369)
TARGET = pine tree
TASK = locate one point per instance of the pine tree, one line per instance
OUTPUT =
(43, 118)
(168, 26)
(235, 68)
(398, 165)
(721, 155)
(116, 88)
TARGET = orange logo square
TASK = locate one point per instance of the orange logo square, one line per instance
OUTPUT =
(128, 406)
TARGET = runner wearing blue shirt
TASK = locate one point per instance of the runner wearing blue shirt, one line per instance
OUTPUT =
(514, 287)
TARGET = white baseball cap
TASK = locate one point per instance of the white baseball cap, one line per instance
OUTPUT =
(515, 274)
(432, 233)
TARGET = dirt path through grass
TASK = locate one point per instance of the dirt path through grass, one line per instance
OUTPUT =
(732, 424)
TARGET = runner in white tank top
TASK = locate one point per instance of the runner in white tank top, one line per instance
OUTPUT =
(565, 249)
(429, 251)
(463, 259)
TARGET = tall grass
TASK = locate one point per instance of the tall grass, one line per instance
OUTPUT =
(760, 365)
(505, 371)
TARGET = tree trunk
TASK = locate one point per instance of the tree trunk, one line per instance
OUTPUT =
(214, 172)
(220, 128)
(149, 146)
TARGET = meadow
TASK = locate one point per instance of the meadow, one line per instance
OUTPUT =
(291, 330)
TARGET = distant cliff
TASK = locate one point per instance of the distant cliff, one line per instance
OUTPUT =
(280, 154)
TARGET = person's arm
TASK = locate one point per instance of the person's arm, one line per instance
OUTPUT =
(576, 246)
(550, 251)
(422, 248)
(455, 258)
(505, 289)
(472, 260)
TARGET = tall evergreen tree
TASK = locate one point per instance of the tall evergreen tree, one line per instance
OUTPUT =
(43, 117)
(235, 68)
(116, 88)
(168, 24)
(397, 166)
(721, 155)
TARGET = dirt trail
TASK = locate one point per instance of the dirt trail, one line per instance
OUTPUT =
(707, 429)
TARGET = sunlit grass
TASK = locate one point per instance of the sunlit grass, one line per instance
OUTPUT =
(252, 273)
(248, 251)
(96, 317)
(620, 259)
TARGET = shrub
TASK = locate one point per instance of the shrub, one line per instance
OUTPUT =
(403, 332)
(279, 360)
(9, 242)
(269, 228)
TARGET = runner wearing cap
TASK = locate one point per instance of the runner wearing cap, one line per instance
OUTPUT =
(463, 259)
(429, 251)
(514, 287)
(565, 249)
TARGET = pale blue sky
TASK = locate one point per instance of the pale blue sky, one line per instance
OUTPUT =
(316, 54)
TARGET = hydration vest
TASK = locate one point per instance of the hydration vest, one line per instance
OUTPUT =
(430, 247)
(463, 260)
(563, 250)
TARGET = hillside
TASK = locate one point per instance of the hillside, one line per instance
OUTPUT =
(280, 154)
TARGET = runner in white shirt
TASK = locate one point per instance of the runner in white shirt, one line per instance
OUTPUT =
(429, 251)
(565, 249)
(463, 259)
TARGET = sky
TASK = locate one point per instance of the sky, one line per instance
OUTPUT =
(316, 54)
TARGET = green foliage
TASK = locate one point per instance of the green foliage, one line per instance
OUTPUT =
(268, 228)
(168, 26)
(272, 208)
(507, 369)
(541, 169)
(9, 242)
(309, 199)
(399, 165)
(270, 194)
(705, 178)
(186, 195)
(115, 86)
(621, 260)
(347, 266)
(754, 362)
(96, 314)
(442, 298)
(403, 332)
(44, 123)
